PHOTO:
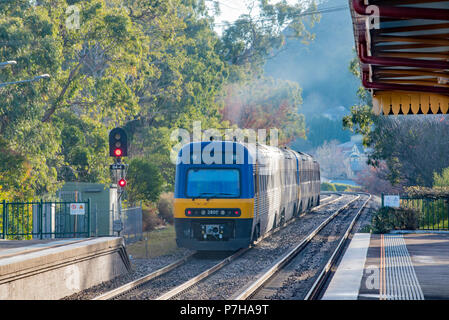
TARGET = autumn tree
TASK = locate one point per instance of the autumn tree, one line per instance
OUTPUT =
(333, 163)
(265, 104)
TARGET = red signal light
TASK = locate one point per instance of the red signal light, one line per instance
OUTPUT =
(122, 183)
(118, 152)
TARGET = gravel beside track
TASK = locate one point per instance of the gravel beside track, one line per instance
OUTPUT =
(234, 277)
(230, 280)
(158, 286)
(295, 279)
(140, 268)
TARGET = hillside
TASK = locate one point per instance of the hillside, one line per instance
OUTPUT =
(321, 69)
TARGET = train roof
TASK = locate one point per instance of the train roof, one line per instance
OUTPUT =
(254, 150)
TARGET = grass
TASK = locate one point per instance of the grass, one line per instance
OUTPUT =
(159, 242)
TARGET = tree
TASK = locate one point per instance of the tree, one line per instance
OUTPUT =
(412, 147)
(90, 68)
(441, 180)
(251, 39)
(333, 163)
(319, 129)
(145, 183)
(375, 180)
(150, 66)
(265, 104)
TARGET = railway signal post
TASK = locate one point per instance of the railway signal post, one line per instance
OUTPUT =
(118, 148)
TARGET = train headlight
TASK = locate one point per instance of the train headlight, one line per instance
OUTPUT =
(222, 212)
(203, 212)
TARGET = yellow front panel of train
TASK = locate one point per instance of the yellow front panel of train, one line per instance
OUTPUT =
(245, 205)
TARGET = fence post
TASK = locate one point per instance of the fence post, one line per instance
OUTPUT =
(88, 217)
(41, 218)
(4, 219)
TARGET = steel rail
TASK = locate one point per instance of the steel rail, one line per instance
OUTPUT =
(273, 231)
(316, 288)
(194, 281)
(256, 285)
(141, 281)
(183, 287)
(190, 283)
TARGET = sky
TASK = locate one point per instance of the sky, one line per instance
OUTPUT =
(230, 10)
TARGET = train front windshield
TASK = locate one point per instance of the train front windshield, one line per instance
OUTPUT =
(213, 183)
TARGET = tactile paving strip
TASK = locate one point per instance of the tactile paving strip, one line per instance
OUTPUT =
(398, 275)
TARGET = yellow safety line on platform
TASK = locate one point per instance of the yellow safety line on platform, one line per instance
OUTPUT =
(382, 269)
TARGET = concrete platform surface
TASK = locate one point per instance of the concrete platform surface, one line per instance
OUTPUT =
(10, 248)
(345, 283)
(43, 269)
(411, 266)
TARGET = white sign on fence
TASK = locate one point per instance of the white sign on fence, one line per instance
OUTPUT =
(391, 201)
(77, 209)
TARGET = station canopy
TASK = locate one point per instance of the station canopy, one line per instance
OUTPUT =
(403, 48)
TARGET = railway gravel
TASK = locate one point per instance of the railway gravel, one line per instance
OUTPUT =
(156, 287)
(295, 279)
(140, 267)
(237, 275)
(234, 277)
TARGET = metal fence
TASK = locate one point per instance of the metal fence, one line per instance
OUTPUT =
(433, 214)
(132, 224)
(44, 220)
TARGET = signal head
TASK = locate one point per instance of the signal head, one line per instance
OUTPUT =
(118, 152)
(122, 183)
(118, 143)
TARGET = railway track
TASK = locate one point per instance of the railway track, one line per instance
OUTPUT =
(128, 290)
(285, 260)
(316, 290)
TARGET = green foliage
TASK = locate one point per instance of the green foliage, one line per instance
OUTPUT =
(247, 42)
(320, 128)
(145, 182)
(361, 120)
(387, 218)
(441, 180)
(326, 186)
(341, 187)
(406, 144)
(423, 192)
(58, 126)
(150, 66)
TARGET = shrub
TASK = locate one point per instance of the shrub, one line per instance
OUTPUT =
(150, 218)
(423, 192)
(326, 186)
(165, 207)
(381, 221)
(405, 219)
(340, 187)
(388, 218)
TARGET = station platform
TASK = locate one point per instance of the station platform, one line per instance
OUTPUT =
(395, 266)
(55, 268)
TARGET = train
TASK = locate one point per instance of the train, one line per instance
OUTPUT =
(228, 194)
